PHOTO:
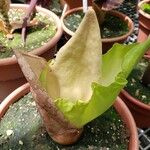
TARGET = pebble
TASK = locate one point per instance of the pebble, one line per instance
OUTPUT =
(20, 142)
(9, 132)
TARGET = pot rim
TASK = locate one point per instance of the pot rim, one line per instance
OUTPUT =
(129, 121)
(119, 105)
(104, 40)
(135, 101)
(141, 11)
(51, 43)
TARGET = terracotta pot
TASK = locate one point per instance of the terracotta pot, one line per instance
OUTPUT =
(106, 42)
(144, 24)
(139, 110)
(119, 105)
(76, 3)
(11, 76)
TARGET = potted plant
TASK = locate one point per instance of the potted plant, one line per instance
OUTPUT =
(11, 75)
(136, 93)
(77, 86)
(26, 129)
(144, 21)
(115, 26)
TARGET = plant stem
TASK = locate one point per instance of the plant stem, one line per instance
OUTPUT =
(99, 12)
(43, 3)
(30, 9)
(146, 76)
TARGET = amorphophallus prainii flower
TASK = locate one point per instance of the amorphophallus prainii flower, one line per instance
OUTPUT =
(80, 83)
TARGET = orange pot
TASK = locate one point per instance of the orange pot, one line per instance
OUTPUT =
(76, 3)
(11, 76)
(107, 43)
(119, 105)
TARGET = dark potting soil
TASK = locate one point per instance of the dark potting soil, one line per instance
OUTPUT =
(22, 128)
(112, 26)
(56, 7)
(135, 86)
(37, 35)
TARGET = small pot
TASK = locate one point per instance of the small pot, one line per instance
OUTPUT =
(76, 3)
(144, 24)
(139, 110)
(107, 43)
(119, 105)
(11, 76)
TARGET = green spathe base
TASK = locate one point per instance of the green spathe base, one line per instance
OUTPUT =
(22, 128)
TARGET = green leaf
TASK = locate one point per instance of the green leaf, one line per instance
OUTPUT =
(117, 64)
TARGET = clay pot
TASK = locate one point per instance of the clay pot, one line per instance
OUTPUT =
(119, 105)
(144, 24)
(76, 3)
(11, 76)
(139, 110)
(107, 43)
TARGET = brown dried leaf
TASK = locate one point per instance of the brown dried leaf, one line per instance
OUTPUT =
(54, 120)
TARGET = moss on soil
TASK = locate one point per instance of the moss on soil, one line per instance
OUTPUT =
(146, 7)
(135, 86)
(111, 27)
(36, 36)
(22, 128)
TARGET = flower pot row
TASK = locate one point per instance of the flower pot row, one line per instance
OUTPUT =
(48, 53)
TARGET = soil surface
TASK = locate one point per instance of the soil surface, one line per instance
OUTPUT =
(111, 27)
(22, 129)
